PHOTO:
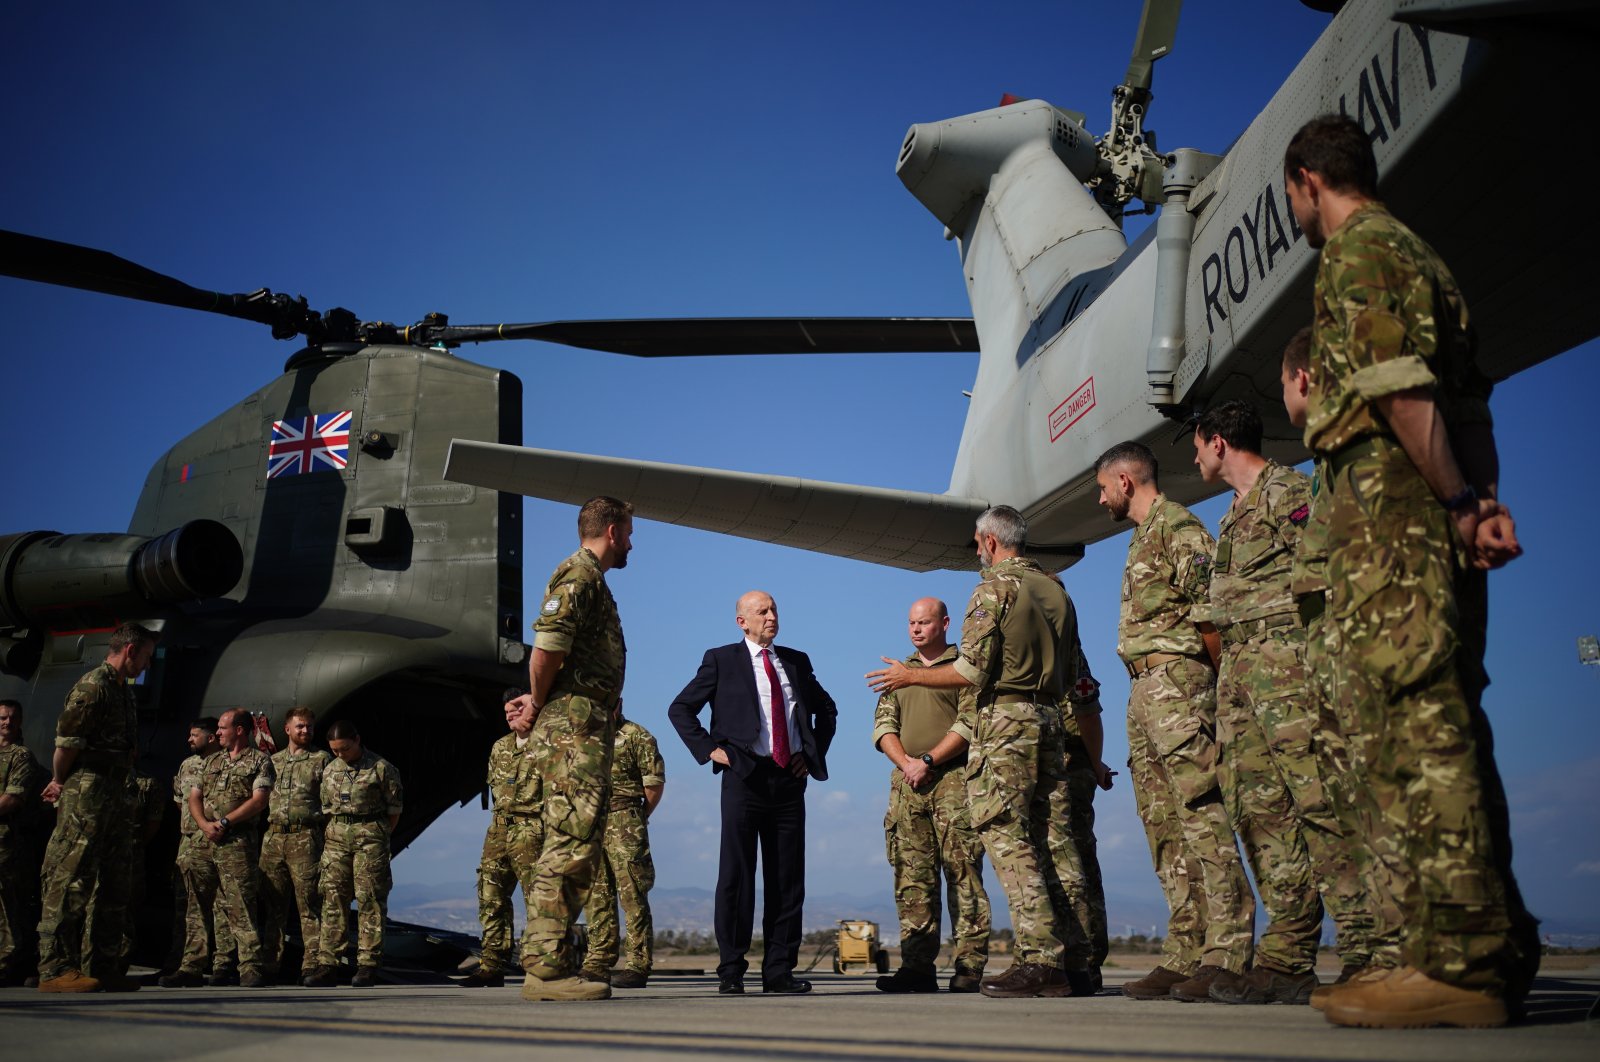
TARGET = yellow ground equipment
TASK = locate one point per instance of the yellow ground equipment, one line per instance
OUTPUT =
(858, 949)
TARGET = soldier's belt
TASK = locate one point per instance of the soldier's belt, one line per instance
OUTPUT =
(104, 762)
(292, 827)
(623, 803)
(1239, 633)
(515, 816)
(360, 818)
(1154, 660)
(578, 689)
(1020, 697)
(1351, 452)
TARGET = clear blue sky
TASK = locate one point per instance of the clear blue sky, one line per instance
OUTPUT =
(530, 162)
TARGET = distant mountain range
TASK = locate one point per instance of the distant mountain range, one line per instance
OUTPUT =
(455, 907)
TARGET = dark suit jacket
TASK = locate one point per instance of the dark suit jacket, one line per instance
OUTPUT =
(727, 682)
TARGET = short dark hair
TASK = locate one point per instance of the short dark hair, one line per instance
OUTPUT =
(1337, 149)
(1297, 352)
(9, 703)
(131, 633)
(1237, 422)
(300, 711)
(208, 723)
(343, 730)
(599, 513)
(512, 693)
(1132, 453)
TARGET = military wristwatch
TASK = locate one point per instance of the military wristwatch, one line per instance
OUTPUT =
(928, 759)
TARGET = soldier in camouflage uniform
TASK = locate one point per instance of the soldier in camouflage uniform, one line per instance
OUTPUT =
(1399, 411)
(21, 778)
(1337, 740)
(195, 885)
(626, 872)
(927, 828)
(291, 851)
(228, 803)
(1166, 641)
(362, 799)
(1019, 652)
(512, 843)
(1086, 772)
(96, 743)
(1267, 720)
(575, 676)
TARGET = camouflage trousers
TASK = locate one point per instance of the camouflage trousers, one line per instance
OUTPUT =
(1405, 621)
(626, 874)
(206, 938)
(1273, 786)
(238, 891)
(19, 906)
(355, 867)
(510, 850)
(1172, 761)
(1017, 795)
(86, 865)
(290, 867)
(1085, 893)
(927, 831)
(572, 740)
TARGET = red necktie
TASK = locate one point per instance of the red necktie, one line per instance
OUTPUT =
(780, 718)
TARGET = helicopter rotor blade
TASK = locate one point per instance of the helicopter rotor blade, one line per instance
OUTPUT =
(69, 265)
(1158, 28)
(689, 337)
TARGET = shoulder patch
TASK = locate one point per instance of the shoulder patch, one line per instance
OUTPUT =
(1202, 560)
(551, 606)
(1300, 515)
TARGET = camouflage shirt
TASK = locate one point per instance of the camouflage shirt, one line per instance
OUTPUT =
(23, 778)
(100, 720)
(579, 618)
(228, 781)
(297, 789)
(921, 716)
(1020, 634)
(188, 778)
(1166, 587)
(1082, 698)
(368, 788)
(1256, 548)
(514, 777)
(1309, 574)
(1388, 317)
(636, 763)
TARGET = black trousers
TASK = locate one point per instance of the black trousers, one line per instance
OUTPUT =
(770, 807)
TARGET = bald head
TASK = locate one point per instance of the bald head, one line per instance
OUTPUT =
(927, 624)
(757, 615)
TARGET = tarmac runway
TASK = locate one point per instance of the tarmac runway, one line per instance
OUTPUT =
(678, 1017)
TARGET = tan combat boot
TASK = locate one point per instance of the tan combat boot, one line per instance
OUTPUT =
(563, 989)
(71, 981)
(1410, 999)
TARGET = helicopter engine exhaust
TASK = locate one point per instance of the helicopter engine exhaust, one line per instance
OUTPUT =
(80, 583)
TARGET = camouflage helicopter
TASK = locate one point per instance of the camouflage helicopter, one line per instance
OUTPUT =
(1087, 340)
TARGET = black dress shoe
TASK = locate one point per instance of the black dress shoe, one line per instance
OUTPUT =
(789, 986)
(731, 986)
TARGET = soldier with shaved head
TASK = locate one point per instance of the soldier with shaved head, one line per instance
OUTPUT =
(927, 830)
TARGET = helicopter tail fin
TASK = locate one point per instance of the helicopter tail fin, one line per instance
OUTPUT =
(899, 528)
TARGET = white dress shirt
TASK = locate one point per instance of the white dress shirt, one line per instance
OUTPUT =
(763, 746)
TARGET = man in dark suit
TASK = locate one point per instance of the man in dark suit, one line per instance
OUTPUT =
(764, 770)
